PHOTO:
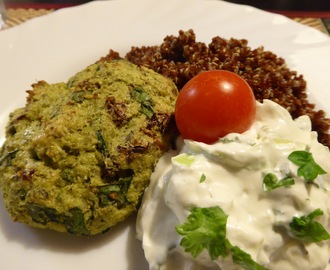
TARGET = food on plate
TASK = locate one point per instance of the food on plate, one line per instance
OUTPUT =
(182, 57)
(253, 200)
(79, 155)
(213, 104)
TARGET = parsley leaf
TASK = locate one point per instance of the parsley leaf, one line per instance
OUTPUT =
(308, 230)
(307, 167)
(203, 178)
(244, 259)
(205, 229)
(271, 181)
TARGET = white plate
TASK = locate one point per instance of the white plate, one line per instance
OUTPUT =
(55, 46)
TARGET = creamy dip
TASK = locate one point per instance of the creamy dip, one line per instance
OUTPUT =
(230, 174)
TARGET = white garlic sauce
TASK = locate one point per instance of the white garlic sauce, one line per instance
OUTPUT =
(234, 168)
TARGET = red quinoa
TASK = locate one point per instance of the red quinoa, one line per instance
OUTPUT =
(182, 57)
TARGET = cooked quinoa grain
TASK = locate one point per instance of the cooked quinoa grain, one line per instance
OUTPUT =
(182, 57)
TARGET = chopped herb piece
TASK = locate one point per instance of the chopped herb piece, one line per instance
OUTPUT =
(184, 159)
(68, 175)
(139, 95)
(70, 83)
(145, 100)
(104, 200)
(41, 214)
(54, 113)
(148, 111)
(226, 140)
(74, 222)
(22, 194)
(81, 95)
(205, 229)
(8, 157)
(101, 145)
(308, 230)
(245, 260)
(307, 167)
(203, 178)
(109, 188)
(78, 96)
(271, 182)
(111, 193)
(114, 192)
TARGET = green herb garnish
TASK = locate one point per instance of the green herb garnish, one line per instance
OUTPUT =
(202, 179)
(206, 229)
(271, 181)
(245, 260)
(307, 229)
(307, 167)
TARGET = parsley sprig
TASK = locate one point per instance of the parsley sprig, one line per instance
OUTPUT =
(271, 181)
(307, 167)
(206, 229)
(307, 229)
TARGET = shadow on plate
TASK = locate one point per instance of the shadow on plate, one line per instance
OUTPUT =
(134, 252)
(32, 238)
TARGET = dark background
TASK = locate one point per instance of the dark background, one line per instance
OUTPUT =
(290, 5)
(287, 5)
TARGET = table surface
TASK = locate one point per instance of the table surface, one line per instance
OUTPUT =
(279, 5)
(303, 11)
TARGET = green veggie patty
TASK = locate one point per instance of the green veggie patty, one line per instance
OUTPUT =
(79, 155)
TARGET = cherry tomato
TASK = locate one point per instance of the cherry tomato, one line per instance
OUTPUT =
(213, 104)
